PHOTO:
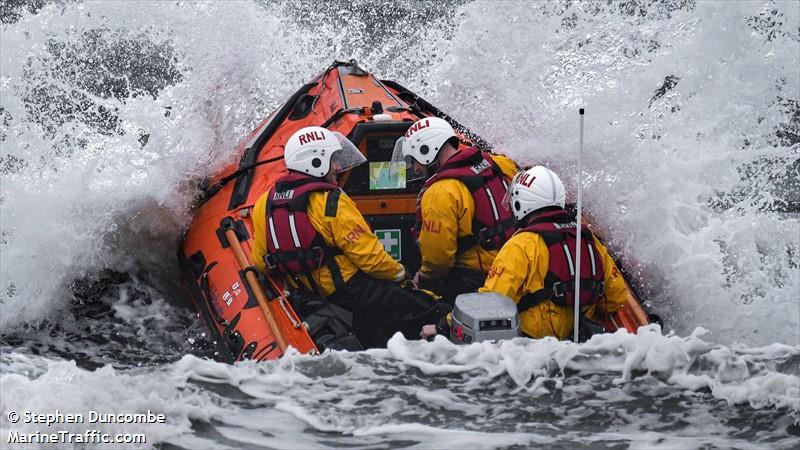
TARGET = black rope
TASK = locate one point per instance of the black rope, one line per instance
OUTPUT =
(239, 172)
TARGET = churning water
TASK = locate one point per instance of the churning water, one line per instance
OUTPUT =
(112, 112)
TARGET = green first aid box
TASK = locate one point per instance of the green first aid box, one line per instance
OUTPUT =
(391, 241)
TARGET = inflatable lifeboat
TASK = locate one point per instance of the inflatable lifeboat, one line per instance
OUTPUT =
(252, 317)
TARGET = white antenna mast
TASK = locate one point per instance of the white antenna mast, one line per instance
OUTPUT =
(577, 298)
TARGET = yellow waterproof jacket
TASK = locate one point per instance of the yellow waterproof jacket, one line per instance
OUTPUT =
(519, 269)
(447, 209)
(345, 229)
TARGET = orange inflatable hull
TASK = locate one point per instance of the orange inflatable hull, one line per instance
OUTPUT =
(218, 274)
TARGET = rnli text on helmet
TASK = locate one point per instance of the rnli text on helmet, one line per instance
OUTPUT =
(417, 126)
(526, 179)
(311, 136)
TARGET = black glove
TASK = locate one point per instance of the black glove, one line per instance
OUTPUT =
(443, 327)
(588, 328)
(429, 284)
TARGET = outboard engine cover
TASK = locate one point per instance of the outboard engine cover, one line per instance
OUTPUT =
(487, 316)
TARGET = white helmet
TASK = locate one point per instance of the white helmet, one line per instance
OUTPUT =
(313, 150)
(422, 142)
(535, 188)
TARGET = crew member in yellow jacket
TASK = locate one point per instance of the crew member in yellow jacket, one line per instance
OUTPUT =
(460, 222)
(535, 268)
(309, 231)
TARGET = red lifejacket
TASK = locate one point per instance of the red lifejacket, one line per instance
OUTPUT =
(492, 224)
(558, 229)
(293, 244)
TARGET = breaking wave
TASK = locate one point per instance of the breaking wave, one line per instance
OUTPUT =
(111, 117)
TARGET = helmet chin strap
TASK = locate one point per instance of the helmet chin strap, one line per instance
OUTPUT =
(332, 176)
(437, 162)
(433, 166)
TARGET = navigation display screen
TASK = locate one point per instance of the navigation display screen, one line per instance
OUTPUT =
(384, 175)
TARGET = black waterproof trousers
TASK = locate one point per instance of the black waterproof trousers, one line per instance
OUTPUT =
(382, 308)
(457, 281)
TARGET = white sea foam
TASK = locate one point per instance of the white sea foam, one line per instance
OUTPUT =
(653, 166)
(387, 396)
